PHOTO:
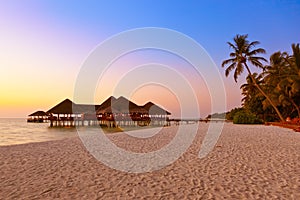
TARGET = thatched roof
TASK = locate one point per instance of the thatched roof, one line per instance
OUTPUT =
(69, 107)
(153, 109)
(107, 103)
(121, 105)
(85, 108)
(64, 107)
(38, 114)
(124, 106)
(110, 105)
(105, 107)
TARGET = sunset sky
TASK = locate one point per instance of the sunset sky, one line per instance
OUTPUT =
(43, 45)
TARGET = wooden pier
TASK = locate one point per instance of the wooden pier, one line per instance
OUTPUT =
(192, 121)
(110, 121)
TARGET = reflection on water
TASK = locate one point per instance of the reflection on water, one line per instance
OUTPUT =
(18, 131)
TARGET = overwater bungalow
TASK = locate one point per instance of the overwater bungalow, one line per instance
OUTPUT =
(157, 115)
(111, 113)
(38, 116)
(123, 112)
(68, 113)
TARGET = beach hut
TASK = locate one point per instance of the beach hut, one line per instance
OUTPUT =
(107, 103)
(62, 113)
(123, 112)
(119, 106)
(103, 111)
(112, 112)
(38, 116)
(64, 107)
(68, 113)
(158, 115)
(154, 109)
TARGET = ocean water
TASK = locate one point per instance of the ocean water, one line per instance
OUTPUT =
(18, 131)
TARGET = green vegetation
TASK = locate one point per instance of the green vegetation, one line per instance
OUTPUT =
(245, 117)
(230, 115)
(271, 95)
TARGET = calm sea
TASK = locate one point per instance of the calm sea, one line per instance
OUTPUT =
(18, 131)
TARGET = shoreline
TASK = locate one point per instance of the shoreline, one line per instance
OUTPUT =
(115, 131)
(107, 131)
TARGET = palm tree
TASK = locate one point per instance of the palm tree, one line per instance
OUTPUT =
(242, 54)
(296, 55)
(279, 77)
(253, 99)
(290, 85)
(295, 68)
(278, 68)
(276, 71)
(286, 95)
(249, 90)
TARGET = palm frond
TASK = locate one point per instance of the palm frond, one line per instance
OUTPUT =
(228, 61)
(238, 71)
(296, 87)
(251, 45)
(232, 54)
(256, 51)
(232, 46)
(296, 54)
(229, 69)
(256, 63)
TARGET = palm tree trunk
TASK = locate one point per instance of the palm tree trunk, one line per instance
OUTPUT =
(265, 95)
(295, 105)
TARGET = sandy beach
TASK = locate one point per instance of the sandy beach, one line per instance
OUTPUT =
(248, 162)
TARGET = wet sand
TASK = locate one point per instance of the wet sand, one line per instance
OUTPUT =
(248, 162)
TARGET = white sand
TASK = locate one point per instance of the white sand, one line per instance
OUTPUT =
(248, 162)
